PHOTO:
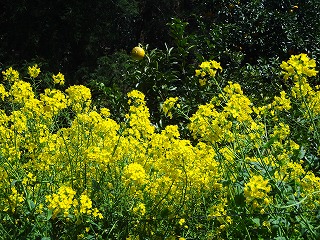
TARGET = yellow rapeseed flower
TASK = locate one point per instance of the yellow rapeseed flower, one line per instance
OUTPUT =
(34, 71)
(298, 65)
(256, 189)
(207, 69)
(79, 97)
(134, 172)
(169, 104)
(85, 204)
(10, 75)
(58, 78)
(21, 91)
(3, 92)
(140, 209)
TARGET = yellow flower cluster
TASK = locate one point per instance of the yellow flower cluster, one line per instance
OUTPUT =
(140, 209)
(21, 91)
(54, 101)
(299, 65)
(207, 70)
(209, 124)
(79, 98)
(219, 211)
(82, 163)
(290, 171)
(58, 78)
(13, 202)
(134, 173)
(34, 71)
(10, 75)
(140, 126)
(3, 92)
(281, 103)
(256, 191)
(62, 201)
(311, 185)
(170, 104)
(215, 126)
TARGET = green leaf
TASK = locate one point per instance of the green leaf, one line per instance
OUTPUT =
(302, 152)
(256, 221)
(49, 215)
(31, 204)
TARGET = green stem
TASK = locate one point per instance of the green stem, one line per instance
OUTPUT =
(316, 134)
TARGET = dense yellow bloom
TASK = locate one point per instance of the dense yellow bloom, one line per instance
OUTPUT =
(257, 189)
(105, 112)
(299, 65)
(85, 204)
(58, 78)
(136, 96)
(98, 155)
(15, 199)
(209, 124)
(227, 153)
(170, 104)
(3, 92)
(135, 173)
(171, 131)
(313, 104)
(207, 69)
(53, 100)
(152, 171)
(19, 121)
(21, 91)
(140, 125)
(301, 89)
(281, 132)
(239, 107)
(62, 201)
(290, 171)
(281, 103)
(34, 71)
(79, 98)
(10, 75)
(311, 184)
(139, 210)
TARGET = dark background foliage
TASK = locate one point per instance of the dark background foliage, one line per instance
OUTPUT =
(70, 36)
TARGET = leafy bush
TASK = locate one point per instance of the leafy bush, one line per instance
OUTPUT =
(248, 38)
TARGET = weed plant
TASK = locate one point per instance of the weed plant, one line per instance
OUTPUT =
(69, 171)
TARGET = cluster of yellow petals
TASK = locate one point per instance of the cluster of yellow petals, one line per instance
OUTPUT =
(169, 104)
(299, 65)
(34, 71)
(157, 169)
(208, 69)
(256, 191)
